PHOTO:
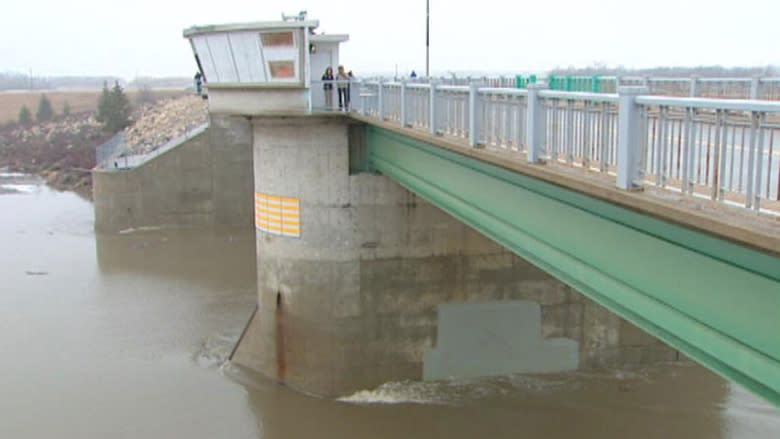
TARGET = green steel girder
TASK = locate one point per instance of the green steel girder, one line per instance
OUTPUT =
(714, 300)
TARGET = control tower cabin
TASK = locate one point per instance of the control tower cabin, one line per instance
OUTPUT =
(263, 67)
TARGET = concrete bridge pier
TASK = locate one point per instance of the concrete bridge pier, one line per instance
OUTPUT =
(361, 282)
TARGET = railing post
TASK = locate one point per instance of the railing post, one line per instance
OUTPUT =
(534, 126)
(433, 113)
(628, 137)
(380, 111)
(403, 102)
(755, 87)
(694, 87)
(474, 117)
(362, 96)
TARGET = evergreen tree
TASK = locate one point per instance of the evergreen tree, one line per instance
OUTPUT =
(113, 108)
(45, 112)
(120, 108)
(104, 104)
(66, 109)
(25, 117)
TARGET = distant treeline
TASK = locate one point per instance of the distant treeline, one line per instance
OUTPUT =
(701, 71)
(16, 81)
(164, 82)
(20, 81)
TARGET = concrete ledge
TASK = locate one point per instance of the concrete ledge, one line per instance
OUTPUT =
(251, 100)
(272, 119)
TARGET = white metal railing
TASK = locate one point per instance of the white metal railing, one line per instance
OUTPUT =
(391, 101)
(724, 149)
(503, 117)
(417, 105)
(452, 117)
(756, 87)
(581, 129)
(368, 95)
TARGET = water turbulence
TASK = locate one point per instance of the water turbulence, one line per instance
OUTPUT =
(214, 351)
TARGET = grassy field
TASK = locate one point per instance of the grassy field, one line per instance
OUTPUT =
(79, 100)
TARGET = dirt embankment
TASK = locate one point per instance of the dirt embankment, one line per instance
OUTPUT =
(61, 151)
(157, 124)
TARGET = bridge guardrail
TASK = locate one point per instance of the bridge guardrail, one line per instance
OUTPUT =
(452, 117)
(722, 149)
(333, 95)
(503, 114)
(581, 129)
(755, 87)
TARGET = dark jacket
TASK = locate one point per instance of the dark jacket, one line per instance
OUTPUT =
(327, 85)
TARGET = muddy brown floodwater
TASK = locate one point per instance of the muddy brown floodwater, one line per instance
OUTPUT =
(127, 336)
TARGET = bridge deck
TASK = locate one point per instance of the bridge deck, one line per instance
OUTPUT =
(742, 226)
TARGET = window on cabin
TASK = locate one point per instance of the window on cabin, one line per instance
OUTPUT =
(277, 39)
(282, 69)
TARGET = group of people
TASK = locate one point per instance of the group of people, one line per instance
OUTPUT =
(342, 80)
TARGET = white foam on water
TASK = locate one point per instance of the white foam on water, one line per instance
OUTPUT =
(401, 392)
(214, 351)
(20, 188)
(458, 391)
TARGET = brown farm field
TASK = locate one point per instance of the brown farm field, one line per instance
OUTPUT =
(80, 100)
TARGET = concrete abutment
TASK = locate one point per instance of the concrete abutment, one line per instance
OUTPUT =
(205, 181)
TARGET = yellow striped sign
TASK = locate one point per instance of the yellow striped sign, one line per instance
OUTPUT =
(278, 215)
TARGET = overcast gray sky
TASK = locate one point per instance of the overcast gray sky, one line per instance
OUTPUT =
(143, 37)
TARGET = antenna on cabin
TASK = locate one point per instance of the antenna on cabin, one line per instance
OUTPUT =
(301, 16)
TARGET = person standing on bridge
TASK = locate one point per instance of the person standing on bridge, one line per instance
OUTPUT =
(198, 78)
(327, 87)
(343, 84)
(351, 78)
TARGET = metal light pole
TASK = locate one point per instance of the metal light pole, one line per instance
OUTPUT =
(427, 38)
